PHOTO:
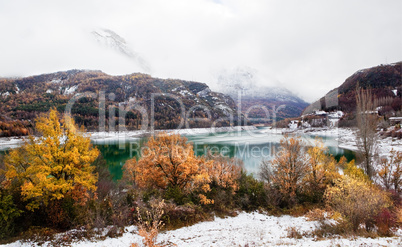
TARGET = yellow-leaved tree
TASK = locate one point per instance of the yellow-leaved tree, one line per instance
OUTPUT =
(357, 200)
(321, 171)
(54, 165)
(168, 162)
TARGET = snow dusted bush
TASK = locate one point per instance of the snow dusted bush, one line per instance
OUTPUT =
(357, 200)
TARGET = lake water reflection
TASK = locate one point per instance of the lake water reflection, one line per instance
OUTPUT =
(250, 146)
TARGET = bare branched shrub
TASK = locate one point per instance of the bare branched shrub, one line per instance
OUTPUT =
(390, 171)
(294, 232)
(149, 227)
(289, 168)
(266, 171)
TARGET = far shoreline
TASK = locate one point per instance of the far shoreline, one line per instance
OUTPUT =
(16, 141)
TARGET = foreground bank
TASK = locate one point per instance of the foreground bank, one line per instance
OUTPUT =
(245, 229)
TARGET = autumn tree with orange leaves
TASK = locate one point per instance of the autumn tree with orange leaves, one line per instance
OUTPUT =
(224, 171)
(168, 162)
(53, 166)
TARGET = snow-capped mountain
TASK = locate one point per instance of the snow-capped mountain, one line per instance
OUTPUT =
(246, 82)
(112, 40)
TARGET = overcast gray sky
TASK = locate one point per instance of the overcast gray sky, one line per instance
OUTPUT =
(309, 47)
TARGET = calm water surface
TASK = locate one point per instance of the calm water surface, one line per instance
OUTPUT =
(250, 146)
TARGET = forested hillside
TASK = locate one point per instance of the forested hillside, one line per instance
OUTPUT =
(22, 99)
(384, 81)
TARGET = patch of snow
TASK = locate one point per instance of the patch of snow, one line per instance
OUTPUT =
(184, 93)
(395, 118)
(55, 81)
(17, 89)
(204, 93)
(333, 122)
(320, 112)
(336, 114)
(5, 95)
(293, 124)
(11, 142)
(226, 110)
(306, 124)
(371, 112)
(70, 90)
(49, 91)
(395, 91)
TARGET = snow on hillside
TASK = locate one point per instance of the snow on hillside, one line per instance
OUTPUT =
(246, 229)
(70, 90)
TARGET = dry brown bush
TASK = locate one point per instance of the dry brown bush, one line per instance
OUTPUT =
(149, 227)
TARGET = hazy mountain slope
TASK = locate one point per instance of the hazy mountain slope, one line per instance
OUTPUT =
(242, 83)
(111, 40)
(385, 81)
(22, 99)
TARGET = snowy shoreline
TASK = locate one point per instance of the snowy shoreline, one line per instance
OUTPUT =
(346, 139)
(344, 136)
(245, 229)
(14, 142)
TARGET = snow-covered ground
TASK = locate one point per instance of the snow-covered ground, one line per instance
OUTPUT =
(246, 229)
(346, 139)
(10, 142)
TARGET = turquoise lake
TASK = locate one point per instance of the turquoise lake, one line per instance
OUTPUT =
(250, 146)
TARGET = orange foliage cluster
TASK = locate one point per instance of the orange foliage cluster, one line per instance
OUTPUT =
(168, 161)
(13, 128)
